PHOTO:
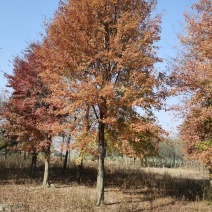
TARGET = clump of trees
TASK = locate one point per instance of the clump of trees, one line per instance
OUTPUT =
(94, 68)
(172, 152)
(87, 77)
(193, 79)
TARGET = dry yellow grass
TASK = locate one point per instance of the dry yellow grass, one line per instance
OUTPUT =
(128, 188)
(81, 198)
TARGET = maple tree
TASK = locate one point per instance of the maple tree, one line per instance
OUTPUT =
(99, 58)
(193, 78)
(27, 114)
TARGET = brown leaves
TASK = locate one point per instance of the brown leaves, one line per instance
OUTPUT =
(193, 76)
(95, 66)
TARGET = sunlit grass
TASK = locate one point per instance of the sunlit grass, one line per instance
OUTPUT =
(127, 188)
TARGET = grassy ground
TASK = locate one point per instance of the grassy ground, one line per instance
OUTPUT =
(128, 188)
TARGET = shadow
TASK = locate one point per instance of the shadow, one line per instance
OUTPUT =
(159, 185)
(113, 203)
(129, 181)
(152, 207)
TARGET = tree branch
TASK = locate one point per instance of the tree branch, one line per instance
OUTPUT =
(95, 112)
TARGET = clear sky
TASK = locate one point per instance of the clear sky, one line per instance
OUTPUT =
(21, 22)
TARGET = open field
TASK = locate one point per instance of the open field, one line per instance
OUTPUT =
(81, 198)
(128, 188)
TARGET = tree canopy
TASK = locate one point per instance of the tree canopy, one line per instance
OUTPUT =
(95, 68)
(193, 78)
(102, 62)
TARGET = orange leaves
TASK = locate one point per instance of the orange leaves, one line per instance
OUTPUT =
(195, 68)
(193, 77)
(93, 67)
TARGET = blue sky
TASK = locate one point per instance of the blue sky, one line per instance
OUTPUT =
(21, 22)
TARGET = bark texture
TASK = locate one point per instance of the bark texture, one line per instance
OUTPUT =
(101, 171)
(46, 162)
(46, 173)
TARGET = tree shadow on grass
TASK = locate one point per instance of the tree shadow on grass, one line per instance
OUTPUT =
(126, 180)
(159, 185)
(134, 200)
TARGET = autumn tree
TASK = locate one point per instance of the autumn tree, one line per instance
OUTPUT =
(27, 114)
(192, 77)
(100, 57)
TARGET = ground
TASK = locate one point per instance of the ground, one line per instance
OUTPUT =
(128, 188)
(81, 198)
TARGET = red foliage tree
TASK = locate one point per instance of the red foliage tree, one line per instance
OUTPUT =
(27, 113)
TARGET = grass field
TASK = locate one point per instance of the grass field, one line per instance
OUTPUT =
(127, 188)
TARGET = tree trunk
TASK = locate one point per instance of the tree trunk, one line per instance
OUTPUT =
(210, 176)
(79, 168)
(101, 155)
(5, 155)
(33, 164)
(65, 161)
(66, 156)
(174, 160)
(145, 162)
(61, 150)
(46, 173)
(25, 155)
(141, 162)
(46, 169)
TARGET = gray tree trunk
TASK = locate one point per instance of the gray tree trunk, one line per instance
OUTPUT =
(46, 173)
(101, 172)
(46, 169)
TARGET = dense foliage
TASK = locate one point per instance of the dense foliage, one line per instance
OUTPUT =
(193, 78)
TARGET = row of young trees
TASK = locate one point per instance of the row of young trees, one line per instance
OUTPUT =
(192, 75)
(90, 74)
(86, 79)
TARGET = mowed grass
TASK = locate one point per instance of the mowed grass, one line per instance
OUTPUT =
(127, 188)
